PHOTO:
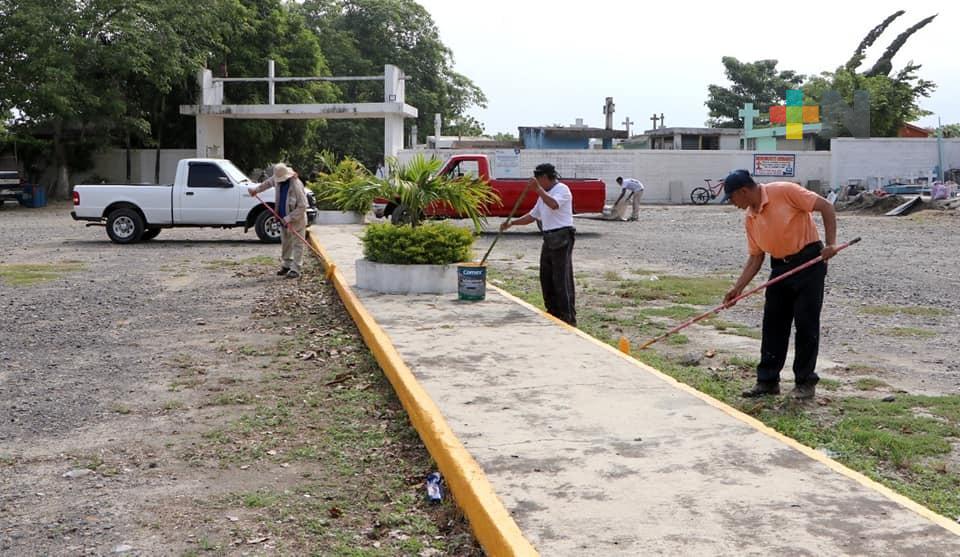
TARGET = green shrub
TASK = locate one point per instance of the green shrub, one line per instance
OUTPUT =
(338, 183)
(432, 244)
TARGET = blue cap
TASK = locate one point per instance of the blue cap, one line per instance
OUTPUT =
(736, 180)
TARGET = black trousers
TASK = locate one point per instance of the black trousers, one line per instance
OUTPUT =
(796, 301)
(556, 274)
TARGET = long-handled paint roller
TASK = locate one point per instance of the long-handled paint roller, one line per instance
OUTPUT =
(516, 205)
(725, 305)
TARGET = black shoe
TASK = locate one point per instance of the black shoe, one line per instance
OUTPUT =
(283, 271)
(292, 275)
(806, 391)
(762, 389)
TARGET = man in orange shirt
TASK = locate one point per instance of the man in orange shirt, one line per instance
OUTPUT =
(779, 221)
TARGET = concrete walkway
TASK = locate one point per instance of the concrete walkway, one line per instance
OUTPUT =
(594, 454)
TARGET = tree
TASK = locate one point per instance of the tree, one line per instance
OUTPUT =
(359, 37)
(751, 82)
(78, 72)
(272, 30)
(951, 130)
(894, 99)
(465, 126)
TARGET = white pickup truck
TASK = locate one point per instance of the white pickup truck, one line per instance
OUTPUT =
(205, 193)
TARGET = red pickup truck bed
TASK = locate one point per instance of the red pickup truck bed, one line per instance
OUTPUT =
(589, 194)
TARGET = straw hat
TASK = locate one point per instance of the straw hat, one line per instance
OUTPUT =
(282, 172)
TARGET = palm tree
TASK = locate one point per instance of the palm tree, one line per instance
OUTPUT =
(417, 185)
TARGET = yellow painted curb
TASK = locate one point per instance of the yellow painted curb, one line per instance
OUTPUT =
(816, 455)
(492, 524)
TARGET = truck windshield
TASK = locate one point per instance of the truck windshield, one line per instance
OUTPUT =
(234, 173)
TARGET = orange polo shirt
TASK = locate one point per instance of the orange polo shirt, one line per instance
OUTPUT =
(784, 224)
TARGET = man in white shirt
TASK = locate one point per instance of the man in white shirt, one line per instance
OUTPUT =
(635, 187)
(554, 210)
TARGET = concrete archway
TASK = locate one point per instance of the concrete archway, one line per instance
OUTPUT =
(211, 111)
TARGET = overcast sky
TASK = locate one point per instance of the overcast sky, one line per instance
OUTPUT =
(543, 62)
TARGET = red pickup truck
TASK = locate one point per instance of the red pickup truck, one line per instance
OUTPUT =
(589, 194)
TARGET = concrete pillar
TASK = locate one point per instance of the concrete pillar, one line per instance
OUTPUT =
(210, 137)
(393, 92)
(677, 141)
(392, 135)
(209, 128)
(271, 89)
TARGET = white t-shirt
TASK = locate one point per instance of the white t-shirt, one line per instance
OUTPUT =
(555, 218)
(632, 184)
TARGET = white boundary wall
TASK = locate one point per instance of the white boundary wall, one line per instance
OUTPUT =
(655, 168)
(889, 159)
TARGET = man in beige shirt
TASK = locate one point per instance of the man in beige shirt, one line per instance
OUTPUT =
(291, 205)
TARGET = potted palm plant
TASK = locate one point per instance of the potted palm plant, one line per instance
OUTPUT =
(333, 178)
(411, 255)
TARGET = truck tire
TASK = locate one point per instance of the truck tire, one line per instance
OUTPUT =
(268, 228)
(125, 226)
(149, 234)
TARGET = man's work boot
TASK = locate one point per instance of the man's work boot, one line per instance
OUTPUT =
(761, 389)
(283, 271)
(806, 391)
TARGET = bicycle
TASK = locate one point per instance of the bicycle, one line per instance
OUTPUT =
(702, 195)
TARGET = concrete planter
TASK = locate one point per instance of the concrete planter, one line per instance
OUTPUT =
(406, 279)
(339, 217)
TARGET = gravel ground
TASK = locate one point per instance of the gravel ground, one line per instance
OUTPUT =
(892, 306)
(126, 384)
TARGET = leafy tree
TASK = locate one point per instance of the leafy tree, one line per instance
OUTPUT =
(894, 99)
(277, 30)
(464, 126)
(76, 72)
(359, 37)
(951, 130)
(757, 82)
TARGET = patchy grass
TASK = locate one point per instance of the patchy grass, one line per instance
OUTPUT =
(346, 469)
(678, 339)
(918, 311)
(870, 384)
(29, 274)
(732, 328)
(743, 363)
(677, 312)
(907, 444)
(860, 369)
(611, 276)
(234, 263)
(907, 332)
(682, 290)
(829, 384)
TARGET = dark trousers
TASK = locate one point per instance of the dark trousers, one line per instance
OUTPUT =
(796, 301)
(556, 274)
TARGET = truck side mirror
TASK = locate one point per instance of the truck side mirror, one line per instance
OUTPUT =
(224, 182)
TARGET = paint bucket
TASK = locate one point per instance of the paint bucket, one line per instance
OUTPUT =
(472, 281)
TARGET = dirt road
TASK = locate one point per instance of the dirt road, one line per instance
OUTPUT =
(892, 307)
(157, 399)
